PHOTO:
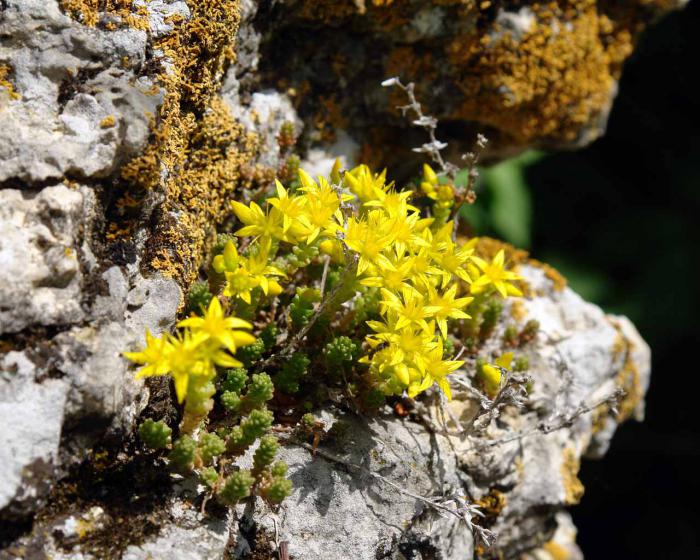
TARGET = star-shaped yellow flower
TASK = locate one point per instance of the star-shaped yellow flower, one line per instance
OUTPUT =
(495, 274)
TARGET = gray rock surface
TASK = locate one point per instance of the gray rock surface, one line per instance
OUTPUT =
(70, 79)
(39, 267)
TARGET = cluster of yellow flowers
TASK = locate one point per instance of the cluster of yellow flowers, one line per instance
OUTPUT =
(201, 344)
(414, 262)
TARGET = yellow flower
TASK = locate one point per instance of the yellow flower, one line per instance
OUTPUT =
(322, 215)
(494, 274)
(436, 371)
(244, 274)
(239, 281)
(290, 208)
(228, 260)
(445, 306)
(258, 267)
(389, 371)
(394, 203)
(452, 260)
(407, 231)
(392, 279)
(409, 308)
(215, 326)
(155, 357)
(334, 249)
(240, 284)
(443, 194)
(491, 373)
(258, 222)
(423, 267)
(187, 360)
(430, 181)
(368, 238)
(363, 183)
(174, 356)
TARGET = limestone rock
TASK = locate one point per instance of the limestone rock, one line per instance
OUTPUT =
(479, 67)
(40, 276)
(81, 110)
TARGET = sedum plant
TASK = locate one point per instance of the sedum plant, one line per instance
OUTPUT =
(341, 284)
(191, 357)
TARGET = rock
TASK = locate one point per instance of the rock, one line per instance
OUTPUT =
(40, 276)
(82, 109)
(189, 537)
(479, 67)
(31, 416)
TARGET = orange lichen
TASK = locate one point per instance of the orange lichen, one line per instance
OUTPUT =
(198, 151)
(552, 82)
(558, 280)
(108, 122)
(93, 12)
(331, 10)
(198, 154)
(491, 505)
(329, 118)
(573, 488)
(556, 551)
(517, 310)
(628, 378)
(5, 71)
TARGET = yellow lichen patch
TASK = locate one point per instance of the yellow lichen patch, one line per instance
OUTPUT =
(558, 280)
(116, 12)
(549, 83)
(599, 418)
(491, 505)
(573, 488)
(487, 248)
(199, 153)
(108, 122)
(517, 310)
(556, 551)
(628, 378)
(5, 71)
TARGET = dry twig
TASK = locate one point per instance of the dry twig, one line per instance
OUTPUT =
(456, 506)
